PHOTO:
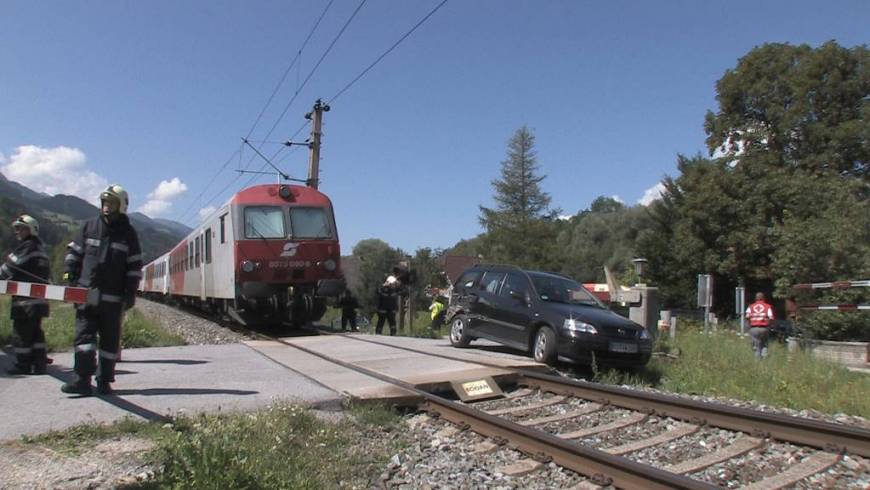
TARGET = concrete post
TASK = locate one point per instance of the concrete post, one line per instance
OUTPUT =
(647, 312)
(316, 116)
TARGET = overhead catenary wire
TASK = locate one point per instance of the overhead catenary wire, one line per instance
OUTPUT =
(299, 51)
(385, 53)
(289, 67)
(361, 74)
(308, 78)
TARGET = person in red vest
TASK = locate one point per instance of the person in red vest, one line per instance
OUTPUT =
(760, 315)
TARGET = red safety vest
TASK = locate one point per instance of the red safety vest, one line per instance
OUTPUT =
(759, 314)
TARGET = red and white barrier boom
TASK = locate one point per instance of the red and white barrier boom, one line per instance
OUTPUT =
(67, 294)
(834, 285)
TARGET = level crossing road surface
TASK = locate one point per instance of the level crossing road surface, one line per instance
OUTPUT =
(161, 382)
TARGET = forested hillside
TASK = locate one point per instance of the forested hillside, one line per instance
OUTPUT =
(60, 217)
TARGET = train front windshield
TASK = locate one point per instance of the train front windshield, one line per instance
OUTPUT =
(275, 222)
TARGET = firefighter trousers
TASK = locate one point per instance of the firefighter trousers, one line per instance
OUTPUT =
(390, 317)
(98, 331)
(29, 343)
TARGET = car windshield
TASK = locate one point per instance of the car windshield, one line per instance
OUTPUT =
(561, 290)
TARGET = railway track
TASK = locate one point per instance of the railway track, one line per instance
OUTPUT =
(620, 437)
(632, 439)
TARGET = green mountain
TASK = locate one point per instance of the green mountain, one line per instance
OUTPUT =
(60, 218)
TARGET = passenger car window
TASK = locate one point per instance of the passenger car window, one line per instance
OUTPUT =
(491, 281)
(562, 290)
(516, 284)
(310, 223)
(467, 279)
(264, 222)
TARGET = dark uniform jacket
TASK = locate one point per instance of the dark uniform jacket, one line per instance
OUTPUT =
(348, 304)
(387, 298)
(107, 259)
(27, 263)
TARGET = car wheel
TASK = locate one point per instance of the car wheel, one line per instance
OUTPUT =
(459, 331)
(544, 349)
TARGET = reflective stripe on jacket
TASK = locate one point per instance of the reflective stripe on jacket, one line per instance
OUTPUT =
(106, 257)
(27, 263)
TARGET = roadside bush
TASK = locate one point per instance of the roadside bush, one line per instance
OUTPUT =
(844, 326)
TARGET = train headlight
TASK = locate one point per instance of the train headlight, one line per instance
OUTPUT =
(247, 266)
(329, 265)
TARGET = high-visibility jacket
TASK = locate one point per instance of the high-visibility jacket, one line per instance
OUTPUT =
(436, 307)
(106, 257)
(760, 314)
(27, 263)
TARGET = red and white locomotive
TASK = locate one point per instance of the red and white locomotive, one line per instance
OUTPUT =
(270, 254)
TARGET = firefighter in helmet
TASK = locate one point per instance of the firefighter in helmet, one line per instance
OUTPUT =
(27, 263)
(105, 258)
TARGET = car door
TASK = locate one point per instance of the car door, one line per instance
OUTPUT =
(487, 301)
(464, 298)
(512, 315)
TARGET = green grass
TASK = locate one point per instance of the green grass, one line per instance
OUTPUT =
(723, 365)
(284, 446)
(59, 328)
(80, 438)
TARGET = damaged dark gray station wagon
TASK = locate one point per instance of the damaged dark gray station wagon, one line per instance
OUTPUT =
(548, 315)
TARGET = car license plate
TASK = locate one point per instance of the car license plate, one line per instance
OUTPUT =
(623, 347)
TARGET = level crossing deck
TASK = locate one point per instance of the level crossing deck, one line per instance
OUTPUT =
(157, 383)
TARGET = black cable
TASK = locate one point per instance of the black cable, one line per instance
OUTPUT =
(289, 67)
(268, 102)
(311, 74)
(385, 53)
(186, 211)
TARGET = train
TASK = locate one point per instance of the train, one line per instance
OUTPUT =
(269, 255)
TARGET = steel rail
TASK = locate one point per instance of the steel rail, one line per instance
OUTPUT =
(598, 465)
(823, 435)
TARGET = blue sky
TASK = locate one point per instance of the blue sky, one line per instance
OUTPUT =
(156, 96)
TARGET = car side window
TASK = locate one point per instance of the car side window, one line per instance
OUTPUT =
(491, 281)
(467, 280)
(514, 284)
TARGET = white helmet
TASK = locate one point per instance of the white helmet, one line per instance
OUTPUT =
(115, 191)
(28, 221)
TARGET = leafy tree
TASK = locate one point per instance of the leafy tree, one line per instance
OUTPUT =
(787, 200)
(521, 225)
(427, 270)
(602, 235)
(802, 108)
(376, 260)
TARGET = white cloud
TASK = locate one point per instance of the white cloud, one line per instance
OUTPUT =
(565, 217)
(206, 212)
(617, 199)
(154, 208)
(58, 170)
(160, 199)
(651, 194)
(168, 190)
